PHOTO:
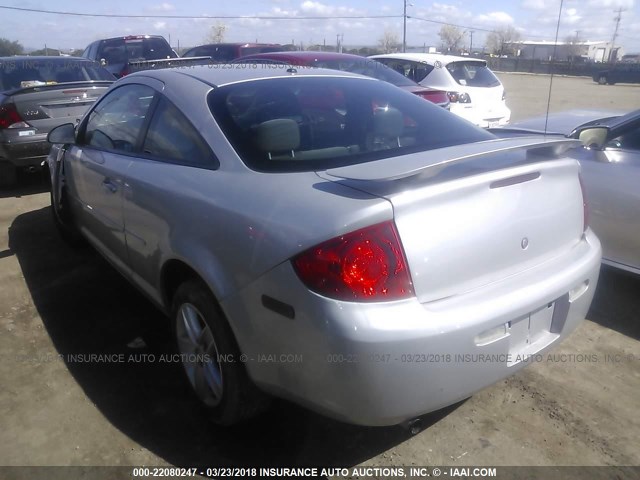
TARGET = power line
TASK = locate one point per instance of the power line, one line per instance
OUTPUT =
(193, 17)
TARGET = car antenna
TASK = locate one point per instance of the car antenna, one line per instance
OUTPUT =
(553, 58)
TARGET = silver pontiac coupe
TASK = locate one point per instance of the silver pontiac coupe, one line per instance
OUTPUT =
(326, 237)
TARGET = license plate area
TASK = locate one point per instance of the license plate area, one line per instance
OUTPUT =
(531, 333)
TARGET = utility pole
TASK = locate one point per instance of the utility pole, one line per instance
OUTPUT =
(404, 27)
(471, 43)
(615, 33)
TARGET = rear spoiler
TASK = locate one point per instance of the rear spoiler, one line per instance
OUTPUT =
(169, 62)
(432, 161)
(63, 85)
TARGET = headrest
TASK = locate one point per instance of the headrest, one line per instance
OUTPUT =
(388, 121)
(278, 135)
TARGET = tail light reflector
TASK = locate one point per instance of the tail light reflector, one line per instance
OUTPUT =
(367, 265)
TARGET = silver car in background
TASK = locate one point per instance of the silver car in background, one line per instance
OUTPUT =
(328, 238)
(610, 162)
(37, 94)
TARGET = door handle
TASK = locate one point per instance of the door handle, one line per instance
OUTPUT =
(109, 186)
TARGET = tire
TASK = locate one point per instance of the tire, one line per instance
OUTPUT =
(214, 372)
(8, 175)
(602, 80)
(64, 222)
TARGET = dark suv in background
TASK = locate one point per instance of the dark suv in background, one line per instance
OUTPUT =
(124, 55)
(225, 52)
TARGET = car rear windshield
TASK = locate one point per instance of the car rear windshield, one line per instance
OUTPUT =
(472, 74)
(32, 73)
(370, 68)
(125, 50)
(314, 123)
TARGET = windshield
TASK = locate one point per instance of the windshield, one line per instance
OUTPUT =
(32, 73)
(312, 123)
(472, 74)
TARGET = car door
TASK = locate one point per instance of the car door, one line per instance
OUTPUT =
(107, 142)
(613, 191)
(159, 188)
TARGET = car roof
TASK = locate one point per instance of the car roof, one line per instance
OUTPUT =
(429, 58)
(130, 37)
(298, 55)
(219, 77)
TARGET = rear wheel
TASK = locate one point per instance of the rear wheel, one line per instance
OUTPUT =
(602, 80)
(8, 174)
(211, 358)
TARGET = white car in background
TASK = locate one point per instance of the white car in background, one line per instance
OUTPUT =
(475, 92)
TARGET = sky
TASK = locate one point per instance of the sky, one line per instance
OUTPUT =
(592, 20)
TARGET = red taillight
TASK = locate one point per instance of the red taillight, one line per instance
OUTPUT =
(366, 265)
(10, 118)
(585, 207)
(437, 97)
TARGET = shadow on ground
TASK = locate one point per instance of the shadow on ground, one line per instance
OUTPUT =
(28, 184)
(616, 303)
(88, 308)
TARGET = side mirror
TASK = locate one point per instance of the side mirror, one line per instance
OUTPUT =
(595, 137)
(62, 134)
(103, 62)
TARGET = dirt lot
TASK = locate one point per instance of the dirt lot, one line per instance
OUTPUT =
(579, 407)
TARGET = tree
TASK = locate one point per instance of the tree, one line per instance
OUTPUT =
(216, 35)
(389, 42)
(575, 47)
(47, 52)
(503, 41)
(9, 48)
(451, 37)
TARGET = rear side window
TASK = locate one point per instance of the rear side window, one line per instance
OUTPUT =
(472, 74)
(171, 136)
(416, 71)
(116, 122)
(311, 123)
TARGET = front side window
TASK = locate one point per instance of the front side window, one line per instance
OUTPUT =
(172, 137)
(311, 123)
(116, 122)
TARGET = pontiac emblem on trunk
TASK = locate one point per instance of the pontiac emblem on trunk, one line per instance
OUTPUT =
(524, 243)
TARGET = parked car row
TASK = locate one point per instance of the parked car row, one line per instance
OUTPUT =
(340, 219)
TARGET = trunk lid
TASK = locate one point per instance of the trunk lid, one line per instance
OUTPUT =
(474, 214)
(44, 107)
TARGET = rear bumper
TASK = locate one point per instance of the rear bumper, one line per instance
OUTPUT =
(384, 363)
(27, 152)
(486, 118)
